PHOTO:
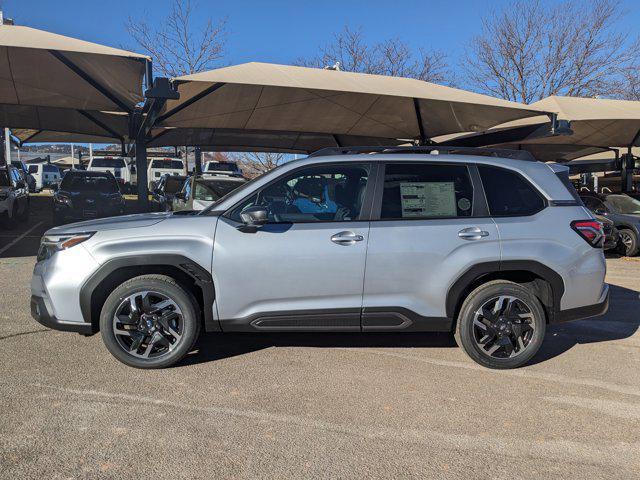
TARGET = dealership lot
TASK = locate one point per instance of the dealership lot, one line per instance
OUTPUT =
(317, 405)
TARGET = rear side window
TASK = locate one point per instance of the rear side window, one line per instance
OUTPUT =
(508, 194)
(419, 191)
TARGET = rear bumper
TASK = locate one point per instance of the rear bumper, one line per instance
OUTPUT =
(41, 314)
(587, 311)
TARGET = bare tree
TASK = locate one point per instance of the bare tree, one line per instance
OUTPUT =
(532, 50)
(176, 46)
(631, 85)
(254, 164)
(351, 51)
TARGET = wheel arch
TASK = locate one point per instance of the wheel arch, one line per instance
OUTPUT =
(114, 272)
(546, 284)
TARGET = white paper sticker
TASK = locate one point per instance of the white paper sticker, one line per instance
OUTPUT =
(428, 199)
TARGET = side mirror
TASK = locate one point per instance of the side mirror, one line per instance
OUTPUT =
(254, 216)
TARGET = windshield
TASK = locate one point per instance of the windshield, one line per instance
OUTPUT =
(166, 163)
(624, 204)
(222, 167)
(212, 190)
(89, 183)
(108, 163)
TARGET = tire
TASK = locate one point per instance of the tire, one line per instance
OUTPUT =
(628, 245)
(162, 353)
(499, 331)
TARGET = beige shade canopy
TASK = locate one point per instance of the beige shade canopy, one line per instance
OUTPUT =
(597, 125)
(263, 141)
(261, 97)
(50, 124)
(40, 68)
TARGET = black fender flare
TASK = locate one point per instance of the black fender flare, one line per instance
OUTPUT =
(481, 269)
(201, 277)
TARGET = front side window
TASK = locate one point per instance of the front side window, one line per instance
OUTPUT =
(33, 169)
(508, 194)
(330, 193)
(624, 204)
(423, 191)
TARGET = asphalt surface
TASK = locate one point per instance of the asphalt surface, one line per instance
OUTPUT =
(317, 405)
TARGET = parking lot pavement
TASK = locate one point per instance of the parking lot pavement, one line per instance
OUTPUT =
(318, 406)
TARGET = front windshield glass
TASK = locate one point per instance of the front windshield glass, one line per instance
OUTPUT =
(624, 204)
(86, 183)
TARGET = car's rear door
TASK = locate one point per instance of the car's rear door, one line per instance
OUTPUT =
(429, 226)
(304, 269)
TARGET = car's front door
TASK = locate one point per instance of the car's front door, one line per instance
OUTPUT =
(304, 269)
(429, 226)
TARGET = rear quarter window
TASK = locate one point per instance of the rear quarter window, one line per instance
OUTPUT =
(509, 194)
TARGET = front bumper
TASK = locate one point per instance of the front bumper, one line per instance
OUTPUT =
(587, 311)
(41, 314)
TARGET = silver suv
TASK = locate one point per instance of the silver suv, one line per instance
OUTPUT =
(417, 240)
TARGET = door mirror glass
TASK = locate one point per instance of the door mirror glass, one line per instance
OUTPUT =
(254, 216)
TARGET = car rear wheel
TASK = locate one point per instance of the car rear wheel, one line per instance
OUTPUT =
(150, 321)
(628, 242)
(501, 325)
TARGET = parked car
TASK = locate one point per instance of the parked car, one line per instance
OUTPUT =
(14, 196)
(623, 211)
(87, 194)
(490, 248)
(228, 168)
(164, 166)
(44, 174)
(611, 235)
(124, 173)
(198, 192)
(28, 178)
(163, 191)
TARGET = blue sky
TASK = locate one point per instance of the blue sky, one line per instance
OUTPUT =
(278, 31)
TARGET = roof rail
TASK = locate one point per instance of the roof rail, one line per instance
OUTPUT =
(430, 150)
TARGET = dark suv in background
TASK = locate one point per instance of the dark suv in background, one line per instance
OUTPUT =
(83, 195)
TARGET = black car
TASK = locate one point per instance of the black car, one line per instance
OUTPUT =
(83, 195)
(623, 211)
(164, 190)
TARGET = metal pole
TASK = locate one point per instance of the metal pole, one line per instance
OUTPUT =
(626, 174)
(73, 158)
(198, 160)
(141, 167)
(90, 151)
(7, 146)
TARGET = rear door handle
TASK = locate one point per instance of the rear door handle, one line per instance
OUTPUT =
(346, 238)
(472, 233)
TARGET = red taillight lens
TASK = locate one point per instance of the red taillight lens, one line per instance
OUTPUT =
(590, 230)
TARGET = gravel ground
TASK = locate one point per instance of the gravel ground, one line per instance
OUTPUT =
(317, 405)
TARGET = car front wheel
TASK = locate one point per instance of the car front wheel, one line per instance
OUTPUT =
(501, 325)
(150, 321)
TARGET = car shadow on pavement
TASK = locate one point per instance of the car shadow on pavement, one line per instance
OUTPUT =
(217, 346)
(621, 321)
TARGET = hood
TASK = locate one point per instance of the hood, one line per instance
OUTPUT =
(111, 223)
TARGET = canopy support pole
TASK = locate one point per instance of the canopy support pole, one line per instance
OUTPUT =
(198, 160)
(626, 172)
(141, 167)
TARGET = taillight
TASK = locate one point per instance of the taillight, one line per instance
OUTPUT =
(590, 230)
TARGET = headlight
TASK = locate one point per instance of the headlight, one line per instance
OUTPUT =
(62, 199)
(54, 243)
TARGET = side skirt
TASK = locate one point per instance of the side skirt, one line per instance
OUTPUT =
(378, 319)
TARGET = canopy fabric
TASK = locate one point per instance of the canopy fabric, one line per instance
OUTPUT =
(263, 97)
(51, 124)
(597, 125)
(40, 68)
(264, 141)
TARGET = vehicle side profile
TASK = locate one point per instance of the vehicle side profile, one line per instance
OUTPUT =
(14, 196)
(623, 211)
(45, 175)
(423, 239)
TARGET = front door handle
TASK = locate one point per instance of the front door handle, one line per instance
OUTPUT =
(472, 233)
(346, 238)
